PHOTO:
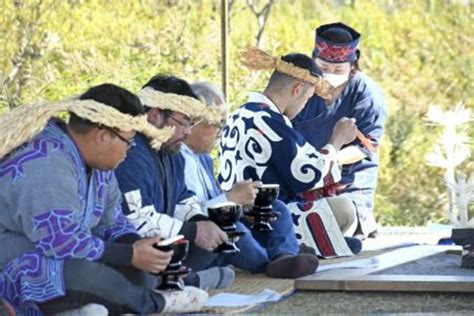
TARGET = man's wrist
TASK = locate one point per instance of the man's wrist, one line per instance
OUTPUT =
(336, 144)
(229, 196)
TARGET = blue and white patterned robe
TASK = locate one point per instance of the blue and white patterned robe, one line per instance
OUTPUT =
(52, 212)
(260, 143)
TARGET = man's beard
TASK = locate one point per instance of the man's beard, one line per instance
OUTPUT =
(172, 148)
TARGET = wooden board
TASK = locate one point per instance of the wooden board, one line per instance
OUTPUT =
(390, 259)
(362, 279)
(390, 283)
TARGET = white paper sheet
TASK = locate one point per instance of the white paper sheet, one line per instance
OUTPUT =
(235, 300)
(354, 264)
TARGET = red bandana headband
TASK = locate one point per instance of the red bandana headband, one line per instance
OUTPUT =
(333, 52)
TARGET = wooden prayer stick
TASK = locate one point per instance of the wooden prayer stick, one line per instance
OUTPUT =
(365, 141)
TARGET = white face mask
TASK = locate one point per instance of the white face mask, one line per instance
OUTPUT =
(334, 79)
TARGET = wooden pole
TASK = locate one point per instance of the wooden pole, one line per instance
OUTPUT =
(225, 46)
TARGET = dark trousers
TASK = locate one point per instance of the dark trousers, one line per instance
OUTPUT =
(199, 259)
(257, 249)
(120, 290)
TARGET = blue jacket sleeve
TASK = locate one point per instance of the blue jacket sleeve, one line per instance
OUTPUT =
(370, 114)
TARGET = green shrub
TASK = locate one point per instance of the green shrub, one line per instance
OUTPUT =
(420, 52)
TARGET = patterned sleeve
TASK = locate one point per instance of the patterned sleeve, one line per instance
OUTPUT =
(188, 208)
(263, 145)
(146, 219)
(113, 223)
(297, 164)
(49, 198)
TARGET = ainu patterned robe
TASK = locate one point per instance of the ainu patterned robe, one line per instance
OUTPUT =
(260, 143)
(51, 212)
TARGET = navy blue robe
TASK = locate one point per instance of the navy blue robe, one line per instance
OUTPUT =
(363, 100)
(157, 200)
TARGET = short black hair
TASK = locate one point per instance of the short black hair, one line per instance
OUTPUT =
(109, 94)
(170, 84)
(303, 61)
(298, 60)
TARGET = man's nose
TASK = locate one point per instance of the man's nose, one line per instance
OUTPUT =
(187, 130)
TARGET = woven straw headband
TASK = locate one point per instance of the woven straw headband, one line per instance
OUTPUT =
(189, 106)
(257, 59)
(23, 123)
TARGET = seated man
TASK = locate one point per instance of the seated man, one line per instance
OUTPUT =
(64, 241)
(354, 95)
(156, 201)
(196, 149)
(273, 252)
(260, 143)
(465, 238)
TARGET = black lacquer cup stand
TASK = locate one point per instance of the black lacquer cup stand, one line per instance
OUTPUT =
(263, 212)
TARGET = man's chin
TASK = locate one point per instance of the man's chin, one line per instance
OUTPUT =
(173, 148)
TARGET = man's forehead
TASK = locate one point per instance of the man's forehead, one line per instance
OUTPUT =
(181, 115)
(325, 63)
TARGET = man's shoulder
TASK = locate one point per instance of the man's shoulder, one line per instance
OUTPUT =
(255, 106)
(51, 146)
(252, 111)
(366, 86)
(139, 160)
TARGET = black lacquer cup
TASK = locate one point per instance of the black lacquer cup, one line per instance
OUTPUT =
(226, 215)
(171, 276)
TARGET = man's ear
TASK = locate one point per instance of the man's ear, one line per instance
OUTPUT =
(297, 89)
(155, 117)
(100, 135)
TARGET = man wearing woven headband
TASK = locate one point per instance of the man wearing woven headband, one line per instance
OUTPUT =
(63, 238)
(255, 249)
(156, 199)
(355, 95)
(260, 143)
(199, 169)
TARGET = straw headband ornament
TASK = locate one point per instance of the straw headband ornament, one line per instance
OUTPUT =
(256, 59)
(23, 123)
(193, 108)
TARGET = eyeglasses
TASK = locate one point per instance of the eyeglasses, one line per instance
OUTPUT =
(219, 125)
(186, 124)
(130, 142)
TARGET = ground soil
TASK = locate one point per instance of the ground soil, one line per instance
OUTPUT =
(312, 302)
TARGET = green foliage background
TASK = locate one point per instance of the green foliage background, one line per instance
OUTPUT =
(420, 52)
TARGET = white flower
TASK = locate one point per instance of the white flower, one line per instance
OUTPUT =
(458, 116)
(463, 189)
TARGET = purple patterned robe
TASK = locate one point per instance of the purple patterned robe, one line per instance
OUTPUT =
(51, 212)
